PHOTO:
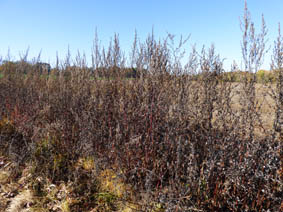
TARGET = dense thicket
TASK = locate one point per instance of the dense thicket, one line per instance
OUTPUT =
(181, 135)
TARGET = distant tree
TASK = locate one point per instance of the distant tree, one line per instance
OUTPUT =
(43, 67)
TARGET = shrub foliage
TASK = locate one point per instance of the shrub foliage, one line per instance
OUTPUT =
(171, 131)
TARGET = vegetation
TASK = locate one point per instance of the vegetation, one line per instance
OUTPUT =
(172, 138)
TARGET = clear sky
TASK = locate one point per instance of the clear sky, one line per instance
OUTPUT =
(53, 25)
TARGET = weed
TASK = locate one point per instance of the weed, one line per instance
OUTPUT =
(150, 130)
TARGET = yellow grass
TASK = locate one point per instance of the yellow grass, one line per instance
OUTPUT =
(265, 104)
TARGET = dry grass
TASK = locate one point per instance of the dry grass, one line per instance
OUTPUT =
(265, 103)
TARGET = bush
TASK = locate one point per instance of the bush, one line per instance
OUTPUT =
(174, 133)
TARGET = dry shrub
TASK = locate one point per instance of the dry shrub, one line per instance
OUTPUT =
(170, 131)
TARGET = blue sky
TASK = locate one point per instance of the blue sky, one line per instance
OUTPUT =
(53, 25)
